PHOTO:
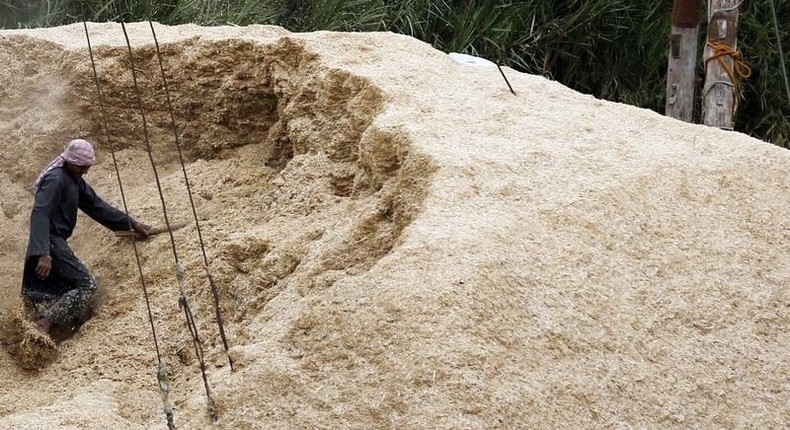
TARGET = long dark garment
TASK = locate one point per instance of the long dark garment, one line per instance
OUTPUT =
(69, 288)
(67, 293)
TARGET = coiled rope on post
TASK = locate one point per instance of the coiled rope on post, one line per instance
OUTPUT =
(161, 373)
(183, 303)
(739, 70)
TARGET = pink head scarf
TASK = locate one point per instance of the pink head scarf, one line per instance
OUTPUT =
(78, 152)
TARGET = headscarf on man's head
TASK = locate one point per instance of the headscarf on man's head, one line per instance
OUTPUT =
(78, 152)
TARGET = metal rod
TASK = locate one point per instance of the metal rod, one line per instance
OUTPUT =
(214, 293)
(506, 81)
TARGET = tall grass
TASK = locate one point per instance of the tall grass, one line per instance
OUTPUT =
(765, 109)
(613, 49)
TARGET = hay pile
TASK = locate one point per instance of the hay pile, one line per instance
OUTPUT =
(398, 242)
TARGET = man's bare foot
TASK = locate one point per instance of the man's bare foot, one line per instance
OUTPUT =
(43, 325)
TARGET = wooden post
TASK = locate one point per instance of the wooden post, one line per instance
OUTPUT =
(682, 59)
(719, 96)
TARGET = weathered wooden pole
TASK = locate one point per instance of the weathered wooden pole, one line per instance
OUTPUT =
(719, 96)
(682, 59)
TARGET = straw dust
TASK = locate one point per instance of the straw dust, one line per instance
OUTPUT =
(398, 242)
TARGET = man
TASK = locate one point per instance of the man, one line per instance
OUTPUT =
(55, 284)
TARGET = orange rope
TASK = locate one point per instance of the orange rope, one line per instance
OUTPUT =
(739, 70)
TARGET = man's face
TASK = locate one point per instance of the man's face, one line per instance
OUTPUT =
(75, 171)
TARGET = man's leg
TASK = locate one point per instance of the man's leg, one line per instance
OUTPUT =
(80, 289)
(37, 293)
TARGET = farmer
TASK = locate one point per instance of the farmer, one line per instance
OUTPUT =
(57, 286)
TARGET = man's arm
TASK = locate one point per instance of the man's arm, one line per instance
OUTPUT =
(107, 215)
(44, 204)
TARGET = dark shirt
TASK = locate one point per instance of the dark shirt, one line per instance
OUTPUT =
(54, 212)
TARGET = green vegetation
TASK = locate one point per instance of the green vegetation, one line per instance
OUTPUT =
(612, 49)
